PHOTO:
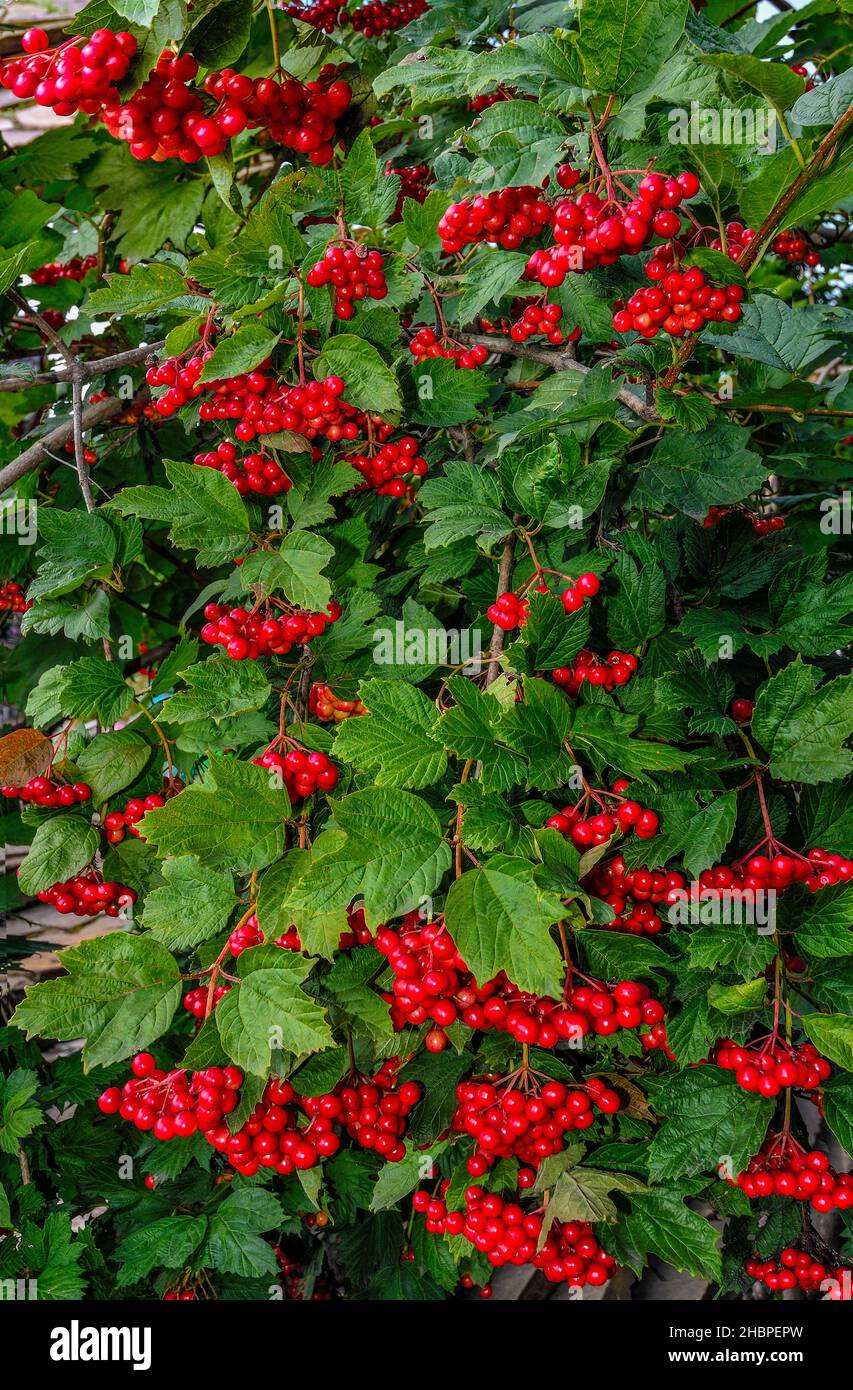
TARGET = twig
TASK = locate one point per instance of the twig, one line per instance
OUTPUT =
(496, 645)
(564, 360)
(93, 367)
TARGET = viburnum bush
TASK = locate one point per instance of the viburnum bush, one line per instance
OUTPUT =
(425, 595)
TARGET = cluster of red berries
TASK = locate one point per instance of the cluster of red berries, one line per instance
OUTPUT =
(255, 402)
(79, 75)
(89, 455)
(774, 1067)
(541, 319)
(168, 117)
(500, 1230)
(53, 272)
(506, 217)
(373, 1113)
(591, 231)
(117, 823)
(794, 247)
(326, 706)
(431, 981)
(173, 1104)
(682, 303)
(353, 272)
(251, 473)
(508, 611)
(815, 870)
(797, 1269)
(195, 1000)
(424, 345)
(271, 1138)
(244, 634)
(87, 894)
(373, 19)
(738, 238)
(783, 1168)
(302, 773)
(617, 670)
(634, 896)
(508, 1123)
(12, 597)
(587, 831)
(415, 180)
(388, 469)
(761, 525)
(487, 99)
(44, 791)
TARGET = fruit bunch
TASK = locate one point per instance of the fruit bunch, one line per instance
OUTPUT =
(415, 180)
(87, 894)
(424, 345)
(357, 933)
(783, 1168)
(506, 217)
(541, 320)
(797, 1269)
(373, 1113)
(78, 75)
(793, 246)
(431, 981)
(46, 791)
(738, 238)
(252, 473)
(633, 895)
(617, 670)
(508, 611)
(508, 1122)
(587, 831)
(75, 269)
(195, 999)
(682, 302)
(173, 1104)
(500, 1230)
(353, 272)
(773, 1067)
(779, 870)
(272, 1138)
(118, 823)
(372, 19)
(12, 597)
(168, 117)
(252, 634)
(302, 772)
(389, 469)
(326, 706)
(591, 230)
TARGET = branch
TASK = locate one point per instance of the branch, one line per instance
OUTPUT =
(42, 450)
(89, 369)
(496, 645)
(564, 360)
(755, 249)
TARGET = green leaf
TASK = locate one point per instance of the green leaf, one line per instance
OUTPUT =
(469, 729)
(465, 502)
(233, 817)
(203, 508)
(620, 44)
(120, 994)
(93, 686)
(267, 1014)
(251, 345)
(838, 1109)
(18, 1117)
(637, 612)
(710, 1120)
(62, 847)
(112, 761)
(660, 1223)
(396, 739)
(826, 103)
(234, 1244)
(144, 289)
(371, 385)
(445, 394)
(295, 570)
(76, 546)
(774, 333)
(694, 472)
(221, 34)
(832, 1034)
(737, 999)
(168, 1244)
(550, 637)
(501, 922)
(397, 1180)
(218, 689)
(803, 727)
(193, 905)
